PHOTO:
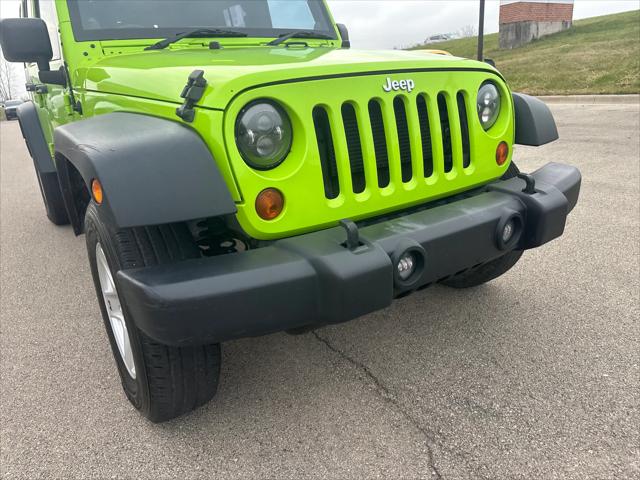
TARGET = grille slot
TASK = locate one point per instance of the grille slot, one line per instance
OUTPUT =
(425, 136)
(464, 128)
(450, 109)
(379, 142)
(354, 147)
(327, 153)
(446, 132)
(403, 138)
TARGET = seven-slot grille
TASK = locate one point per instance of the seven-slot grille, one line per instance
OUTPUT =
(390, 141)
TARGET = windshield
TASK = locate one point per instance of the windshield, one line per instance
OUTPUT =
(138, 19)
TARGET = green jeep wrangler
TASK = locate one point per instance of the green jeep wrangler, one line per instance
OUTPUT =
(238, 171)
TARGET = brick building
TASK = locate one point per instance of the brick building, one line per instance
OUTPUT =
(522, 21)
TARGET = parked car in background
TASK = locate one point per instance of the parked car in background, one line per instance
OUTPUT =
(442, 37)
(11, 109)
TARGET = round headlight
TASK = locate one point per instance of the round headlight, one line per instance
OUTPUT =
(263, 134)
(488, 105)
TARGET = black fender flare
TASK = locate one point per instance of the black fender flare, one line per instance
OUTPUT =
(535, 124)
(153, 171)
(34, 137)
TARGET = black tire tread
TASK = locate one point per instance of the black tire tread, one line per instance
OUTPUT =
(52, 199)
(485, 273)
(180, 379)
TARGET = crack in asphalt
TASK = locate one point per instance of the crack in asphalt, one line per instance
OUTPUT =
(390, 399)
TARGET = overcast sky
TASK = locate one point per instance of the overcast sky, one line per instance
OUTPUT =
(389, 23)
(396, 23)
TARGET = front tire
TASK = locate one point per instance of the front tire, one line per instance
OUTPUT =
(52, 197)
(161, 381)
(485, 273)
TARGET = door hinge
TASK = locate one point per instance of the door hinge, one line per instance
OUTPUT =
(37, 88)
(72, 104)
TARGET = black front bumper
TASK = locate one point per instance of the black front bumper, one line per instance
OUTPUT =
(316, 279)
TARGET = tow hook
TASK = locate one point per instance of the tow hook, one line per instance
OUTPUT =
(353, 235)
(530, 189)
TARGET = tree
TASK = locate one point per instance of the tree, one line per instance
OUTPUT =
(6, 79)
(468, 31)
(6, 91)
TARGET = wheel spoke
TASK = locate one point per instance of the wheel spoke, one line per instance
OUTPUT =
(128, 353)
(109, 288)
(113, 303)
(114, 311)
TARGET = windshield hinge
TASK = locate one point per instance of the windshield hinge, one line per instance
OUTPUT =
(192, 93)
(74, 104)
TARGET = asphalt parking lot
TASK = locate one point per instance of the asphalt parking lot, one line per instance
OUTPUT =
(535, 375)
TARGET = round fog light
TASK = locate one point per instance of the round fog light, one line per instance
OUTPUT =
(508, 231)
(409, 261)
(406, 266)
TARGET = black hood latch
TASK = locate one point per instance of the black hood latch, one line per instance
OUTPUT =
(192, 93)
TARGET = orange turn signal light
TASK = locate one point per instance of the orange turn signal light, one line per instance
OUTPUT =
(269, 204)
(96, 191)
(502, 153)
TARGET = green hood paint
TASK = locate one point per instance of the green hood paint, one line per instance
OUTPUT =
(161, 75)
(127, 78)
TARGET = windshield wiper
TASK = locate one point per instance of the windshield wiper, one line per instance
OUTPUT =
(298, 34)
(198, 33)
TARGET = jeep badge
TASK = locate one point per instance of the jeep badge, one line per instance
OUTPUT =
(395, 85)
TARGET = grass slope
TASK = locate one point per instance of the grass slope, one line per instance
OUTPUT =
(599, 55)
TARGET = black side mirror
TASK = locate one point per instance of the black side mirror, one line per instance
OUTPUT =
(26, 40)
(344, 34)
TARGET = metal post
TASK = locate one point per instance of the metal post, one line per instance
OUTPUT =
(481, 33)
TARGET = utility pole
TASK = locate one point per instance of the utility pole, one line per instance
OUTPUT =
(481, 33)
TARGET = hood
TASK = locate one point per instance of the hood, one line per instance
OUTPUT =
(161, 75)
